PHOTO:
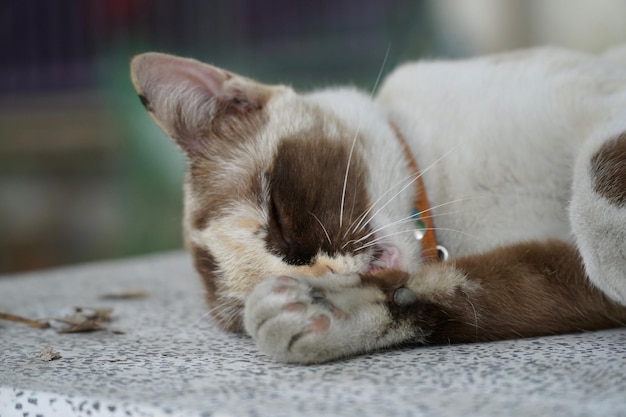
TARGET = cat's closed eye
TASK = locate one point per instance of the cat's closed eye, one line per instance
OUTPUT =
(292, 252)
(277, 220)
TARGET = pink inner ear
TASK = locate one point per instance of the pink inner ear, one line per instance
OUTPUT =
(184, 95)
(153, 70)
(211, 78)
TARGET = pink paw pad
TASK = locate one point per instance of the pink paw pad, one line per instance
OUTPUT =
(318, 324)
(295, 307)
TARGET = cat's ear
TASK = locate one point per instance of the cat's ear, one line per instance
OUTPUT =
(188, 98)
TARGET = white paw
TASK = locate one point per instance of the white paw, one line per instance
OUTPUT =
(306, 320)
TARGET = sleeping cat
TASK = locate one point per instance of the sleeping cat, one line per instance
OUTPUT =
(318, 221)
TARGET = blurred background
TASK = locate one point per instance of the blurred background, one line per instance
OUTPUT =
(84, 174)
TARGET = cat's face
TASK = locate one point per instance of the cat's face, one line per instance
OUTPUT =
(279, 183)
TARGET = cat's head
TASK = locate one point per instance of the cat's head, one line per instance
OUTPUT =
(278, 182)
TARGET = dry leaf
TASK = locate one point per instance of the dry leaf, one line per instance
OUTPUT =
(77, 325)
(38, 324)
(87, 319)
(87, 325)
(47, 355)
(84, 319)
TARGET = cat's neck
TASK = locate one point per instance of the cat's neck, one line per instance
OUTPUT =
(424, 225)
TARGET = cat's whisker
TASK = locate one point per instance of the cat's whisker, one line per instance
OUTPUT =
(406, 219)
(475, 324)
(203, 317)
(380, 238)
(380, 71)
(373, 232)
(345, 180)
(359, 220)
(360, 225)
(354, 140)
(413, 181)
(412, 218)
(412, 178)
(322, 226)
(226, 313)
(352, 208)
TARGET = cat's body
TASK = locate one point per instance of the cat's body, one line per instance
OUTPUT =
(514, 150)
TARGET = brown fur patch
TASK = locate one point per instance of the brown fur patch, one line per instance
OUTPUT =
(524, 290)
(306, 183)
(206, 266)
(529, 289)
(226, 311)
(608, 169)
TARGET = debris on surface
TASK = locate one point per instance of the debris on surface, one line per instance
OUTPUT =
(47, 355)
(125, 295)
(38, 324)
(83, 319)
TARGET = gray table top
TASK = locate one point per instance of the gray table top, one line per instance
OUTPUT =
(173, 361)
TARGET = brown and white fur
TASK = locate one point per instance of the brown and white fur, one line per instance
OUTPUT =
(298, 206)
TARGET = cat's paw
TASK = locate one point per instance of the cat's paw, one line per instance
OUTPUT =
(307, 320)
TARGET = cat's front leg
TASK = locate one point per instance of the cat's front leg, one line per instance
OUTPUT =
(306, 320)
(524, 290)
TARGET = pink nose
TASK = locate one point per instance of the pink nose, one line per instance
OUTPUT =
(391, 257)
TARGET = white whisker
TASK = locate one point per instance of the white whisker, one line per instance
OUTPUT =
(380, 71)
(411, 218)
(345, 179)
(475, 324)
(363, 216)
(202, 318)
(353, 203)
(378, 239)
(412, 181)
(323, 228)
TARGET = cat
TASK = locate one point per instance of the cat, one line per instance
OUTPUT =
(317, 221)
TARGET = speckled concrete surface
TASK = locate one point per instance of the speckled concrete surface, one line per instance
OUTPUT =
(172, 361)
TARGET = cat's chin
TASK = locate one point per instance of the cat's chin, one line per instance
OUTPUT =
(386, 257)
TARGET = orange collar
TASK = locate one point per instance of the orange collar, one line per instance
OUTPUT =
(424, 226)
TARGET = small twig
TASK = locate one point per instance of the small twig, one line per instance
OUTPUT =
(38, 324)
(126, 295)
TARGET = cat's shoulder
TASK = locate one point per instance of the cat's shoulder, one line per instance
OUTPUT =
(540, 63)
(454, 70)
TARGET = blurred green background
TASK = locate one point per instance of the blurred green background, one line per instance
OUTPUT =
(84, 173)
